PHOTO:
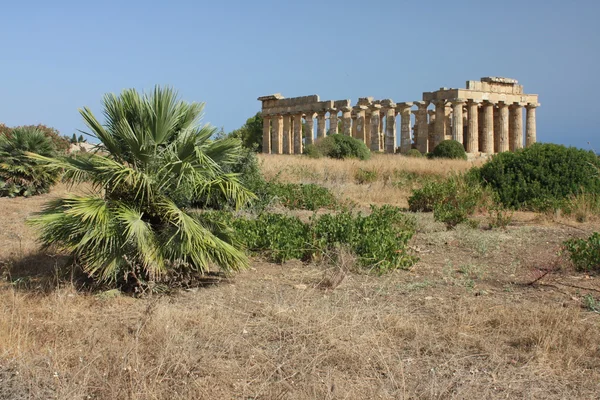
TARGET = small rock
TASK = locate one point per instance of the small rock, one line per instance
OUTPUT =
(429, 298)
(301, 286)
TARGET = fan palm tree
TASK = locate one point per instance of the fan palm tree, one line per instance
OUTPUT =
(19, 174)
(152, 160)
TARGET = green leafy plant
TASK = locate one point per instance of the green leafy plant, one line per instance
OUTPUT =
(338, 146)
(414, 153)
(541, 176)
(136, 227)
(452, 200)
(21, 175)
(449, 149)
(251, 133)
(379, 240)
(362, 176)
(584, 253)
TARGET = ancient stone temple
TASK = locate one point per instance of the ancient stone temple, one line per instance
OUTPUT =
(486, 117)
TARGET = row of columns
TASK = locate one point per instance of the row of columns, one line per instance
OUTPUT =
(483, 127)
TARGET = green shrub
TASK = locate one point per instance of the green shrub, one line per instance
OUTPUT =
(424, 199)
(414, 153)
(585, 253)
(541, 176)
(21, 175)
(306, 196)
(362, 176)
(449, 149)
(312, 151)
(452, 200)
(338, 146)
(379, 240)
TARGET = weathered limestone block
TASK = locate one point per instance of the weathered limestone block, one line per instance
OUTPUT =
(422, 127)
(405, 128)
(375, 123)
(287, 134)
(310, 130)
(515, 127)
(487, 139)
(472, 143)
(504, 127)
(530, 124)
(457, 120)
(277, 138)
(266, 142)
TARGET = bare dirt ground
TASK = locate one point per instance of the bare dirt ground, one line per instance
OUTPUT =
(466, 322)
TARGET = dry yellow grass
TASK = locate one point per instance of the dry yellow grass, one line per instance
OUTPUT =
(462, 324)
(395, 174)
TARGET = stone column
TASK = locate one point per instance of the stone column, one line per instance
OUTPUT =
(375, 123)
(405, 142)
(321, 125)
(333, 121)
(382, 121)
(287, 134)
(310, 131)
(354, 118)
(390, 127)
(472, 142)
(457, 120)
(347, 121)
(360, 124)
(277, 138)
(448, 128)
(431, 133)
(368, 116)
(422, 132)
(515, 126)
(496, 129)
(440, 122)
(297, 134)
(503, 121)
(487, 140)
(266, 142)
(530, 127)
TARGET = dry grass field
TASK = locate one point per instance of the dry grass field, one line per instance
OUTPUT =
(478, 317)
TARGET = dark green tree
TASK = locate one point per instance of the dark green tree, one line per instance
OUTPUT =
(251, 133)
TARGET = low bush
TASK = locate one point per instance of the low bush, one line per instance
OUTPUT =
(305, 196)
(585, 253)
(539, 177)
(379, 240)
(449, 149)
(362, 176)
(61, 143)
(19, 174)
(338, 146)
(414, 153)
(452, 200)
(290, 195)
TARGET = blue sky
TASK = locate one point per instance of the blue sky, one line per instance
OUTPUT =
(58, 56)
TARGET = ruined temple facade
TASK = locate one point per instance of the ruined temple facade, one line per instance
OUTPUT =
(486, 117)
